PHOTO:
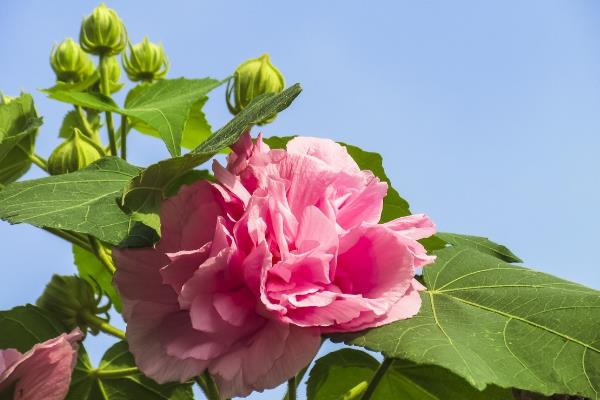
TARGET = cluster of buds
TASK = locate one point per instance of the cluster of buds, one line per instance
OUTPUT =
(73, 301)
(251, 79)
(77, 152)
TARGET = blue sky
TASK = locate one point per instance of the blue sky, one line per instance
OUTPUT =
(487, 113)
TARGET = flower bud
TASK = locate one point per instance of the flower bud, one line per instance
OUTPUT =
(114, 74)
(102, 32)
(146, 61)
(251, 79)
(5, 99)
(76, 152)
(72, 300)
(70, 63)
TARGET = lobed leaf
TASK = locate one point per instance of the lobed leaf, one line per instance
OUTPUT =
(496, 323)
(481, 244)
(85, 201)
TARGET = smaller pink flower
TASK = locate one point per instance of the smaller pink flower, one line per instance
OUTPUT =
(42, 373)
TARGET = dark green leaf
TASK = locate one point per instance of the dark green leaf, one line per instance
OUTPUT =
(92, 270)
(482, 244)
(88, 385)
(164, 106)
(496, 323)
(19, 125)
(347, 372)
(24, 326)
(85, 201)
(146, 191)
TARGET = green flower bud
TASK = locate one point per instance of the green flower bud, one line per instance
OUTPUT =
(5, 99)
(102, 32)
(146, 61)
(73, 301)
(251, 79)
(76, 152)
(70, 63)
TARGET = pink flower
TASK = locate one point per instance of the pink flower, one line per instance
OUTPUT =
(42, 373)
(250, 271)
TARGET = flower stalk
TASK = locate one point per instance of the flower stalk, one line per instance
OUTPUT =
(105, 90)
(99, 324)
(385, 365)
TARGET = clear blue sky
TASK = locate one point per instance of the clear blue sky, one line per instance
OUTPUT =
(487, 113)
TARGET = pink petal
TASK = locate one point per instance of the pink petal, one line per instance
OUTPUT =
(325, 150)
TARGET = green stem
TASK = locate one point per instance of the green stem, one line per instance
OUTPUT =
(115, 373)
(100, 253)
(72, 237)
(208, 386)
(105, 90)
(87, 128)
(96, 322)
(39, 161)
(387, 362)
(124, 137)
(292, 384)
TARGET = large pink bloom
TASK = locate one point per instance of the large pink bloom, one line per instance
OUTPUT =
(250, 271)
(42, 373)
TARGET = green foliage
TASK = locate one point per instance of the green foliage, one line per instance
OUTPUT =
(145, 192)
(164, 106)
(481, 244)
(85, 201)
(24, 326)
(19, 125)
(92, 270)
(97, 384)
(496, 323)
(345, 375)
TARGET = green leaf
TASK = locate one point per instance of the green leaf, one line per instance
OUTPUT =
(91, 385)
(337, 373)
(24, 326)
(74, 87)
(85, 201)
(146, 191)
(496, 323)
(482, 244)
(163, 106)
(345, 374)
(71, 120)
(196, 129)
(92, 270)
(19, 125)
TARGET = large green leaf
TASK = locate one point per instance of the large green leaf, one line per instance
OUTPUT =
(90, 384)
(19, 124)
(164, 105)
(481, 244)
(146, 191)
(496, 323)
(24, 326)
(85, 201)
(92, 270)
(345, 374)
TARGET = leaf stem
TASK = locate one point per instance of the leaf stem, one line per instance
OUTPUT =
(98, 323)
(72, 237)
(114, 373)
(105, 90)
(124, 137)
(387, 362)
(100, 253)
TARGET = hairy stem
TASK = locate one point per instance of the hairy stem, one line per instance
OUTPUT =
(115, 373)
(87, 128)
(39, 161)
(124, 137)
(98, 323)
(292, 384)
(100, 253)
(72, 237)
(105, 90)
(387, 362)
(208, 386)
